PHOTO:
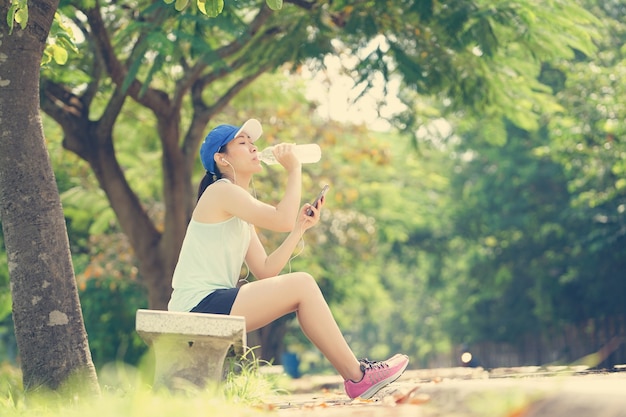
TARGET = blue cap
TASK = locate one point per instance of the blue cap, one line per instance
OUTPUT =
(223, 134)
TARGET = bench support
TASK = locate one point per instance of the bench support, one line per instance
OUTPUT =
(189, 347)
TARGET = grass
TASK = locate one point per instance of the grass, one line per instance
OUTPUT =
(125, 393)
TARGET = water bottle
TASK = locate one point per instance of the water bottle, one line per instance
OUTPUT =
(306, 154)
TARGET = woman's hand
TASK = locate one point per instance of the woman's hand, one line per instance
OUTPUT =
(264, 266)
(285, 156)
(304, 221)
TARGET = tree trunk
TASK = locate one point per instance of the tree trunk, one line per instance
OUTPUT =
(49, 328)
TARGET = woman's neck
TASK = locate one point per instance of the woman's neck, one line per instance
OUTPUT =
(240, 180)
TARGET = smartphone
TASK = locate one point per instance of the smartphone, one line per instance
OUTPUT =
(309, 212)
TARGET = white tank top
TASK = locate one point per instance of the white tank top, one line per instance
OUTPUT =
(210, 259)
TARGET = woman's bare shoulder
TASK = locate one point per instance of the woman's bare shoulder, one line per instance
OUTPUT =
(214, 202)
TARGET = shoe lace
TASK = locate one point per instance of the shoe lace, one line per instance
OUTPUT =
(368, 364)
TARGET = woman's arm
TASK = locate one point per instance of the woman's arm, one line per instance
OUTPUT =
(222, 200)
(291, 199)
(264, 266)
(290, 202)
(235, 201)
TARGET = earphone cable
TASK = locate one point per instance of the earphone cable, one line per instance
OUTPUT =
(301, 247)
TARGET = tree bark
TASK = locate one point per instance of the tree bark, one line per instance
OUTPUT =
(49, 327)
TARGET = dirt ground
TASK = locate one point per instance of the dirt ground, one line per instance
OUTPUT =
(466, 392)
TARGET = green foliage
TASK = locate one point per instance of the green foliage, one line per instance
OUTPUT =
(244, 381)
(213, 8)
(587, 142)
(483, 56)
(540, 219)
(5, 295)
(60, 38)
(126, 394)
(109, 306)
(11, 388)
(125, 391)
(274, 4)
(509, 213)
(17, 13)
(586, 139)
(60, 41)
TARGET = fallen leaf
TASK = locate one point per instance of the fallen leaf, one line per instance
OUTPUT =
(419, 399)
(519, 412)
(402, 397)
(316, 405)
(411, 398)
(265, 407)
(359, 400)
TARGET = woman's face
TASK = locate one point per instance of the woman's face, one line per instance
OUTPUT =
(242, 154)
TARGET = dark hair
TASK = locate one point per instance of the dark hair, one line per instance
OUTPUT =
(207, 180)
(210, 177)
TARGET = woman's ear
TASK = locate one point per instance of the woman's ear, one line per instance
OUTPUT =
(219, 159)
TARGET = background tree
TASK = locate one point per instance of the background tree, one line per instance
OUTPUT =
(540, 218)
(46, 311)
(588, 142)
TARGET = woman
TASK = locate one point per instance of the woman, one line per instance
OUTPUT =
(221, 236)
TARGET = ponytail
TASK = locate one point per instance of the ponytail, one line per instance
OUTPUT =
(208, 179)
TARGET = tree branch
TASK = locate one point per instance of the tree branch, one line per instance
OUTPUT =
(193, 73)
(69, 111)
(203, 113)
(153, 99)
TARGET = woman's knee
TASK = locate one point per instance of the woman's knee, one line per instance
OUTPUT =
(305, 279)
(305, 283)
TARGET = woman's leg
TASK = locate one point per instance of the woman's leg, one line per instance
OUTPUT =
(263, 301)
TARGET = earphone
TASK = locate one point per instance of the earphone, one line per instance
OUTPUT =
(234, 173)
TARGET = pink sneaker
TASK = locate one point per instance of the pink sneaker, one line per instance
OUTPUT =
(376, 375)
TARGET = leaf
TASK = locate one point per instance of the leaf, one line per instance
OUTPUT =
(168, 1)
(133, 70)
(412, 398)
(180, 5)
(63, 34)
(274, 4)
(202, 6)
(59, 54)
(11, 18)
(46, 57)
(18, 12)
(214, 8)
(21, 16)
(157, 65)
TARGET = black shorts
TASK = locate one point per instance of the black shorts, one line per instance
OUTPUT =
(218, 302)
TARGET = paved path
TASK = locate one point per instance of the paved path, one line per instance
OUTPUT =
(462, 392)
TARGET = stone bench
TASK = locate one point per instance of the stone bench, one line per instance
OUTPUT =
(189, 347)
